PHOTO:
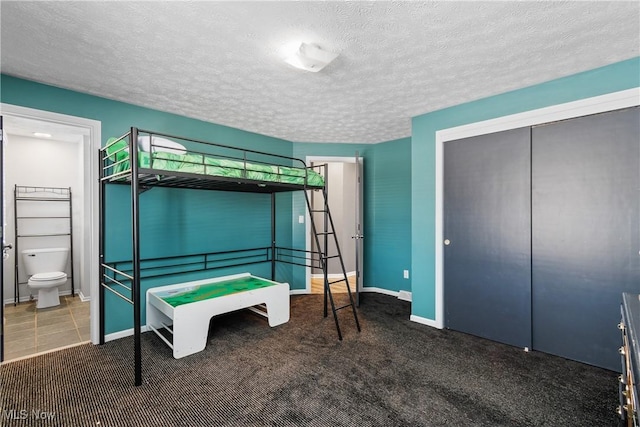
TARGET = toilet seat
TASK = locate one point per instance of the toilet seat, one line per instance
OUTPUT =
(48, 280)
(51, 275)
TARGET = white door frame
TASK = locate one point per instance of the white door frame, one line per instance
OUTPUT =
(307, 229)
(93, 129)
(598, 104)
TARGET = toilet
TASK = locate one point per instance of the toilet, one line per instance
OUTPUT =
(46, 270)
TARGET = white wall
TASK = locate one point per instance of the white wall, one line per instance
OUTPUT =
(38, 162)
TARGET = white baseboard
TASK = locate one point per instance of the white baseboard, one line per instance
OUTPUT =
(379, 291)
(123, 334)
(22, 299)
(83, 298)
(404, 296)
(424, 321)
(26, 298)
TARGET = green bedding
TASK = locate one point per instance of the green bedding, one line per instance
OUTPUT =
(212, 290)
(214, 166)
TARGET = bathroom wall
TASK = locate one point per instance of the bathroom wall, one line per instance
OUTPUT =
(31, 161)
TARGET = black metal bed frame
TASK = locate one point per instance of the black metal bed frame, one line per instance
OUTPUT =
(123, 277)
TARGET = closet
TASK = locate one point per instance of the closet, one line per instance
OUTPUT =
(542, 234)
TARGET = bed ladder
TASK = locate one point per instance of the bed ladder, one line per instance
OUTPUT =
(323, 239)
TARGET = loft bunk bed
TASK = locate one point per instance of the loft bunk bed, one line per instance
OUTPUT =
(143, 160)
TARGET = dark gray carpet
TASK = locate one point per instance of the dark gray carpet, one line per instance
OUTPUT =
(394, 373)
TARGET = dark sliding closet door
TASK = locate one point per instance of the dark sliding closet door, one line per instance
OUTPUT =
(585, 241)
(487, 229)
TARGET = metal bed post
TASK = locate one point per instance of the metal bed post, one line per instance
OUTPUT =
(101, 198)
(135, 229)
(273, 236)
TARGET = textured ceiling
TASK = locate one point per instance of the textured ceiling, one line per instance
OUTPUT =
(221, 61)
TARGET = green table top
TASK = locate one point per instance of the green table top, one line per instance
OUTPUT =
(191, 294)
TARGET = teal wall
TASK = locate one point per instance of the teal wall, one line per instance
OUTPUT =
(387, 208)
(389, 219)
(399, 186)
(612, 78)
(173, 222)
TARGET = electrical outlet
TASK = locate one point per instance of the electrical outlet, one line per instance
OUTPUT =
(301, 219)
(406, 274)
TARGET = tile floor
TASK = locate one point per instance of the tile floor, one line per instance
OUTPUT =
(29, 330)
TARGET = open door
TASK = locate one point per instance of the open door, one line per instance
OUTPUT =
(347, 185)
(358, 236)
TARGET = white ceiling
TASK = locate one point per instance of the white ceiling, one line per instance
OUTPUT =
(221, 61)
(22, 126)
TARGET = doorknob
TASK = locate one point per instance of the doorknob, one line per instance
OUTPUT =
(447, 242)
(5, 250)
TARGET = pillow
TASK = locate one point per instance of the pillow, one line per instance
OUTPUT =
(160, 144)
(117, 147)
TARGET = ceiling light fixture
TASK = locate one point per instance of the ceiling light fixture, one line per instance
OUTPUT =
(42, 135)
(310, 57)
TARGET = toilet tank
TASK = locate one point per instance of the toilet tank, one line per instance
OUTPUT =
(45, 260)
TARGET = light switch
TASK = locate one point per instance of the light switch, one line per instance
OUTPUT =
(301, 219)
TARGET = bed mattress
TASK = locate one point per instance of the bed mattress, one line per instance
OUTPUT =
(216, 166)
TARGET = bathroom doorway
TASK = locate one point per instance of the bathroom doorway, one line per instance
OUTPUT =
(43, 149)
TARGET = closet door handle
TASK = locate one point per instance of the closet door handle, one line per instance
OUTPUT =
(447, 242)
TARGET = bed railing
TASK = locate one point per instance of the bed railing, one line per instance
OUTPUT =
(244, 164)
(118, 275)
